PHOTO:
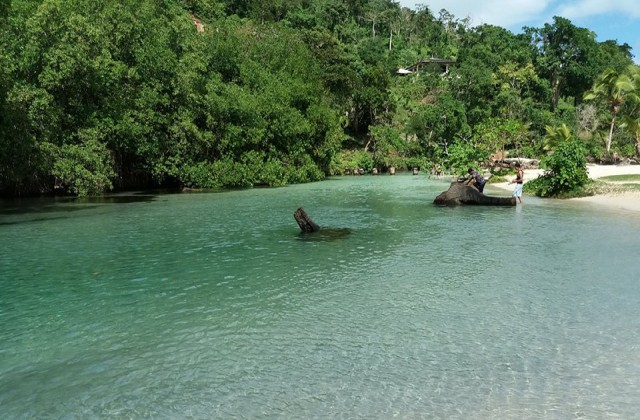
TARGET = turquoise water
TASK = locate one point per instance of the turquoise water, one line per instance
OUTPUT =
(213, 305)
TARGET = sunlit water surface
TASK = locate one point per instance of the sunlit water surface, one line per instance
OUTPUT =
(213, 305)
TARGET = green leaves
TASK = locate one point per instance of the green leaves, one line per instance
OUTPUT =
(568, 56)
(82, 169)
(133, 92)
(613, 87)
(566, 169)
(110, 91)
(556, 136)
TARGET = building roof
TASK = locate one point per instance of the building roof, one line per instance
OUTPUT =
(442, 62)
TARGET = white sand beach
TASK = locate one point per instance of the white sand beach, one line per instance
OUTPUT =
(625, 201)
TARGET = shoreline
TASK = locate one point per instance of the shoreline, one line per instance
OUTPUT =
(628, 200)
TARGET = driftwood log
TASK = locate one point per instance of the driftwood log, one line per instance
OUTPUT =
(304, 221)
(308, 226)
(459, 193)
(511, 162)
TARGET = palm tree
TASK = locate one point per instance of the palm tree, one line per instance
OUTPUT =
(555, 136)
(632, 122)
(612, 87)
(631, 117)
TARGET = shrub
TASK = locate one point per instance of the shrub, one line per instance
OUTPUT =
(272, 174)
(230, 174)
(463, 156)
(303, 169)
(200, 175)
(82, 169)
(352, 159)
(566, 171)
(416, 162)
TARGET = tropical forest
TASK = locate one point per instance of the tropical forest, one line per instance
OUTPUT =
(99, 96)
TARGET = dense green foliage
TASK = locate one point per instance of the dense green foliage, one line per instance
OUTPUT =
(566, 171)
(98, 95)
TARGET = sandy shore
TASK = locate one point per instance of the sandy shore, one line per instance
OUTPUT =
(623, 201)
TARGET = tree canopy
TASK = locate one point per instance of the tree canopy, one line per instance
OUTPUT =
(98, 95)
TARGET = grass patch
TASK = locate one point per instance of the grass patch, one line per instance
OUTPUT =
(499, 175)
(613, 185)
(622, 178)
(495, 179)
(599, 187)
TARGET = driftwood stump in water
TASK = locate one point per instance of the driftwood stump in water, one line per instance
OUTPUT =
(304, 221)
(459, 193)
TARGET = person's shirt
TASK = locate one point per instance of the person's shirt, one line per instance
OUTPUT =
(519, 176)
(477, 177)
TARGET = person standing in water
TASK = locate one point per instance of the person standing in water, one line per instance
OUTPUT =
(519, 181)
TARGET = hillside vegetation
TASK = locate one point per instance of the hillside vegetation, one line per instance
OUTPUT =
(100, 95)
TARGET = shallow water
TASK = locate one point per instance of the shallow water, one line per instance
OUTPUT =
(215, 306)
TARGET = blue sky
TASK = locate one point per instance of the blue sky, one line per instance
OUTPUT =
(609, 19)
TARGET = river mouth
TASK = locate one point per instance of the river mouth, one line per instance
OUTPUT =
(215, 306)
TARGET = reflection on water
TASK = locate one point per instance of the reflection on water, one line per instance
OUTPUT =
(215, 306)
(326, 234)
(41, 209)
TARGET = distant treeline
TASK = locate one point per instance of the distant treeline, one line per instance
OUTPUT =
(98, 95)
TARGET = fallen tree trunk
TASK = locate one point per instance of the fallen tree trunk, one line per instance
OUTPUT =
(459, 193)
(525, 162)
(304, 221)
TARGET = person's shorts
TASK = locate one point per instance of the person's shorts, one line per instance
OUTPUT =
(517, 191)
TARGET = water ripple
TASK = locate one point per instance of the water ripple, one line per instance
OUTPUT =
(412, 311)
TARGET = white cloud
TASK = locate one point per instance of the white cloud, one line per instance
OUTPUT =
(587, 8)
(612, 19)
(503, 13)
(514, 13)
